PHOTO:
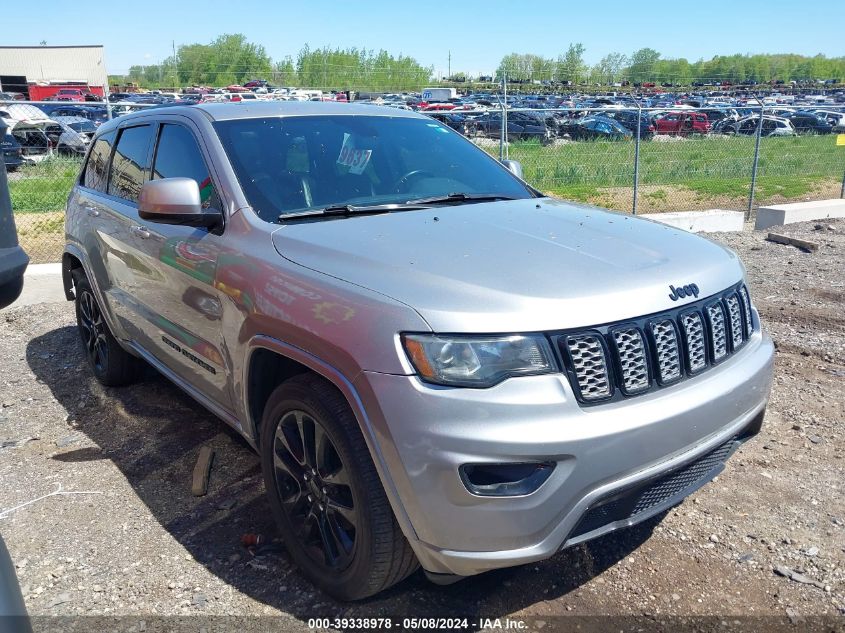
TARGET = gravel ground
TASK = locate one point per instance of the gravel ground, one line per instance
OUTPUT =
(138, 543)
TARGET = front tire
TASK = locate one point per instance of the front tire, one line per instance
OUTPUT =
(325, 493)
(112, 365)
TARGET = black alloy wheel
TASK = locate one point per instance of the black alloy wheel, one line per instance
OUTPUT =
(314, 489)
(92, 328)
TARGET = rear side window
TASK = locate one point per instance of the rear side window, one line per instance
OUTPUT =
(178, 155)
(96, 170)
(129, 165)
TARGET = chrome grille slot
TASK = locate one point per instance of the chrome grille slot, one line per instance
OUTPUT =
(590, 366)
(746, 309)
(735, 320)
(694, 335)
(666, 345)
(718, 336)
(632, 359)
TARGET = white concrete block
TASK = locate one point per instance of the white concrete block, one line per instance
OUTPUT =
(778, 214)
(710, 221)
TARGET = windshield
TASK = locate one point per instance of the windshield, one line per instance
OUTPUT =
(293, 164)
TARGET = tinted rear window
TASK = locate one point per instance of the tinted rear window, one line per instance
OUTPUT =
(129, 165)
(96, 170)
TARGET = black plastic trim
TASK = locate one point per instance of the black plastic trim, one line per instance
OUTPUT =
(519, 488)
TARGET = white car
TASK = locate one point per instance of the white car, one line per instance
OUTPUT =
(36, 133)
(77, 133)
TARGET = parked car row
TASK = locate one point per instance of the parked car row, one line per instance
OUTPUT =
(33, 135)
(40, 129)
(622, 124)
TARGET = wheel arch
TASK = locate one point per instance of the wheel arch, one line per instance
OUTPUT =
(295, 361)
(72, 259)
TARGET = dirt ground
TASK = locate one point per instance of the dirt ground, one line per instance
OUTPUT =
(134, 541)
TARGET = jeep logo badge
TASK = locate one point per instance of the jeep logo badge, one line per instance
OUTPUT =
(690, 290)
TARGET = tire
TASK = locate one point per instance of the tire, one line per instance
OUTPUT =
(10, 291)
(112, 365)
(329, 504)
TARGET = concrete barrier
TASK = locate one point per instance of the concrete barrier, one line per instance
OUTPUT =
(710, 221)
(778, 214)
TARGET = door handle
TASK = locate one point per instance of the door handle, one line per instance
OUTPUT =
(92, 212)
(140, 231)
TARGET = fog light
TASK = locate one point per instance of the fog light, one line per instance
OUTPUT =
(505, 480)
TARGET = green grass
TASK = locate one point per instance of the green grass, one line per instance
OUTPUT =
(43, 187)
(710, 168)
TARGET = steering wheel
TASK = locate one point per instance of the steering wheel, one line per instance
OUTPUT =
(402, 183)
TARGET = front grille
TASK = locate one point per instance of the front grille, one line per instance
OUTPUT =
(746, 309)
(718, 338)
(696, 347)
(627, 505)
(626, 359)
(587, 354)
(666, 346)
(735, 316)
(632, 360)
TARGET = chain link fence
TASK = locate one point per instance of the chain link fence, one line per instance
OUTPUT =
(631, 159)
(680, 160)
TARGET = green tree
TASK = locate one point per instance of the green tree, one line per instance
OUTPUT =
(609, 69)
(642, 65)
(570, 66)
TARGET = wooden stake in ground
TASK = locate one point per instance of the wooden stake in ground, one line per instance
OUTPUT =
(804, 245)
(202, 471)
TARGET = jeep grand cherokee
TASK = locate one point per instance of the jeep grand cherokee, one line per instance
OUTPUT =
(437, 364)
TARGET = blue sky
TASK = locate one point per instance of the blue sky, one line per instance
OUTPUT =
(478, 33)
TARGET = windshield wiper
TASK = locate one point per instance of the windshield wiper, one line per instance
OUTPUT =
(459, 196)
(351, 209)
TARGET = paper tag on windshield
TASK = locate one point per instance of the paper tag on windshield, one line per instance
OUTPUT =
(355, 159)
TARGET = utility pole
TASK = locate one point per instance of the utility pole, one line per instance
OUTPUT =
(175, 66)
(449, 76)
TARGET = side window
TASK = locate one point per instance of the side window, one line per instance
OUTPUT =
(129, 164)
(96, 169)
(178, 155)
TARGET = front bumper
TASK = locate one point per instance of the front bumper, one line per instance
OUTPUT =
(425, 433)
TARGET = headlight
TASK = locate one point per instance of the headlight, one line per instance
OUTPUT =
(477, 361)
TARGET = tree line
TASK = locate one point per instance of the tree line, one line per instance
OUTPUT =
(647, 65)
(232, 59)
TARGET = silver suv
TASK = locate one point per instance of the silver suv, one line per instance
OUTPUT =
(438, 365)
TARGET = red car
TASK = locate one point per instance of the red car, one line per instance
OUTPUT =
(434, 107)
(682, 123)
(70, 94)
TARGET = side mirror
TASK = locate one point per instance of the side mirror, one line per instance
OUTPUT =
(515, 167)
(175, 201)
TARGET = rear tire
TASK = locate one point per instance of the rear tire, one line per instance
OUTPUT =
(112, 365)
(325, 493)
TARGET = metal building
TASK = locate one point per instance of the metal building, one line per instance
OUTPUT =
(25, 66)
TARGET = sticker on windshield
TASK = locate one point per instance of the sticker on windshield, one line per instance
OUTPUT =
(355, 159)
(438, 127)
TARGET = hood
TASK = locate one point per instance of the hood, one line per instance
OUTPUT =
(513, 266)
